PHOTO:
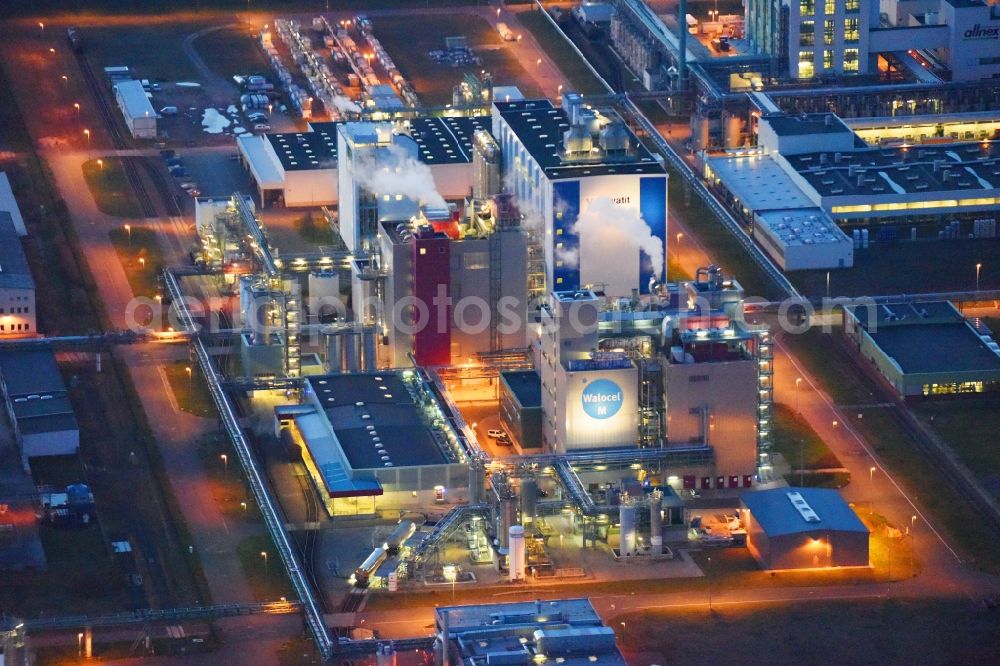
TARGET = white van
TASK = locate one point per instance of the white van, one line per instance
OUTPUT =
(169, 110)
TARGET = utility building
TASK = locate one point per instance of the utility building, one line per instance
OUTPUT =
(17, 287)
(803, 528)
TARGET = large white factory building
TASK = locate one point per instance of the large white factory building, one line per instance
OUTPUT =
(595, 191)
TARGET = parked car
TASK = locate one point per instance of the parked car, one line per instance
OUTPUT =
(261, 127)
(493, 433)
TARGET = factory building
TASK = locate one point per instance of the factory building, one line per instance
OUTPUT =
(363, 436)
(680, 371)
(562, 631)
(820, 38)
(589, 398)
(295, 169)
(598, 196)
(38, 404)
(450, 288)
(140, 116)
(803, 528)
(17, 287)
(925, 349)
(814, 161)
(521, 409)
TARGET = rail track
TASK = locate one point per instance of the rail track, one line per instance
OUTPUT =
(118, 138)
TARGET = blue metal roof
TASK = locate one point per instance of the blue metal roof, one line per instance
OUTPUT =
(776, 514)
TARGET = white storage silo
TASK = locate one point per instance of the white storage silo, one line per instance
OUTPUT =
(656, 521)
(518, 554)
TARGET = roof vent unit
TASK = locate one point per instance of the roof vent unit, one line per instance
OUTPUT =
(802, 506)
(614, 138)
(577, 140)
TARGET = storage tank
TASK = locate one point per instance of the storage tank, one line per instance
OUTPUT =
(626, 519)
(370, 348)
(334, 350)
(656, 521)
(518, 554)
(529, 497)
(352, 350)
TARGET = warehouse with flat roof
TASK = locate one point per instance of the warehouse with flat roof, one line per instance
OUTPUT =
(367, 435)
(803, 528)
(925, 349)
(17, 287)
(38, 404)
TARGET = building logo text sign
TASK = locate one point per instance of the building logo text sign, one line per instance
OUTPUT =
(602, 399)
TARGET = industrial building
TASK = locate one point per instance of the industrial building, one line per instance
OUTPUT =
(8, 204)
(563, 631)
(17, 287)
(38, 404)
(521, 409)
(363, 436)
(451, 289)
(925, 349)
(812, 39)
(681, 371)
(140, 116)
(812, 168)
(592, 188)
(803, 528)
(294, 169)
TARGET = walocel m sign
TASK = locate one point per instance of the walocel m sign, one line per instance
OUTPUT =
(602, 399)
(982, 32)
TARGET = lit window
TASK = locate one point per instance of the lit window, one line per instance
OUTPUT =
(807, 7)
(806, 67)
(852, 32)
(827, 59)
(852, 6)
(423, 250)
(828, 32)
(829, 7)
(850, 60)
(807, 33)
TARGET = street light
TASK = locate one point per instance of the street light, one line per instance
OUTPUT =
(188, 371)
(128, 230)
(538, 62)
(77, 107)
(978, 268)
(142, 262)
(41, 25)
(263, 554)
(100, 163)
(798, 381)
(244, 505)
(679, 237)
(86, 133)
(79, 644)
(871, 502)
(913, 522)
(225, 461)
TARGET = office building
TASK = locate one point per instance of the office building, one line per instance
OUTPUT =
(17, 287)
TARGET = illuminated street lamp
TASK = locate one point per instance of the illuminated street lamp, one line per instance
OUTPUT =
(913, 522)
(142, 261)
(244, 505)
(86, 133)
(798, 381)
(41, 25)
(100, 163)
(128, 230)
(77, 107)
(52, 50)
(978, 268)
(225, 462)
(263, 554)
(79, 644)
(538, 62)
(188, 371)
(64, 78)
(679, 237)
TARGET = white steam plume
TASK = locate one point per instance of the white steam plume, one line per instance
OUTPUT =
(610, 240)
(394, 171)
(344, 104)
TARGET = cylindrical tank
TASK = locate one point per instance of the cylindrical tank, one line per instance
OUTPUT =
(733, 129)
(518, 554)
(352, 351)
(656, 521)
(370, 349)
(506, 520)
(626, 519)
(529, 497)
(334, 352)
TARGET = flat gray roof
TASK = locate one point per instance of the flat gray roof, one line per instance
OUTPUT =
(777, 515)
(300, 151)
(806, 123)
(758, 181)
(30, 372)
(929, 348)
(526, 386)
